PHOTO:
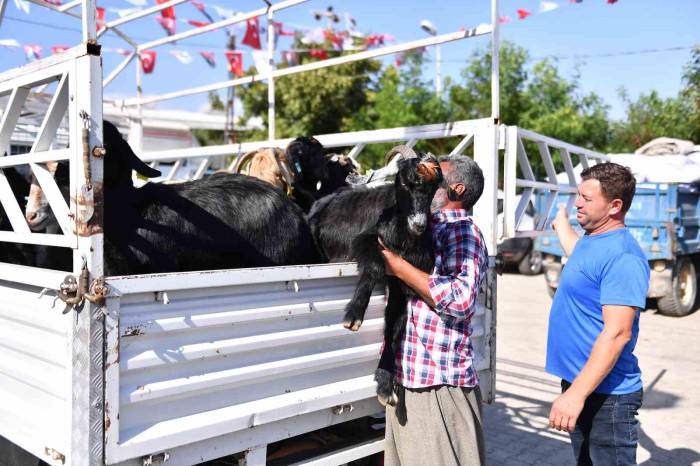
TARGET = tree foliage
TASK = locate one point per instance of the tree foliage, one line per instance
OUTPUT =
(534, 95)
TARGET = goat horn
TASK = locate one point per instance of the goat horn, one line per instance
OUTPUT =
(402, 150)
(241, 161)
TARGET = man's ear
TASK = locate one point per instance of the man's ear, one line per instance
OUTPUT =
(615, 207)
(460, 188)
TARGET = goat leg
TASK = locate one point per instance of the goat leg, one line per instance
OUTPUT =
(371, 265)
(394, 327)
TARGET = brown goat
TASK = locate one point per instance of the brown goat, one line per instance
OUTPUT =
(268, 164)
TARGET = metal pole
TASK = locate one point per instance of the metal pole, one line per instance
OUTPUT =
(495, 78)
(271, 79)
(136, 128)
(3, 4)
(438, 76)
(89, 21)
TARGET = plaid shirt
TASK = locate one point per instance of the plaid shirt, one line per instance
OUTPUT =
(436, 348)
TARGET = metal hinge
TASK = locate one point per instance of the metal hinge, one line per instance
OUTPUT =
(55, 455)
(158, 458)
(73, 291)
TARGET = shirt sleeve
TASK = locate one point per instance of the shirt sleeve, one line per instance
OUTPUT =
(625, 281)
(454, 282)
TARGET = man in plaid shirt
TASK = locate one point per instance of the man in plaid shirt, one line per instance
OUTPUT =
(438, 417)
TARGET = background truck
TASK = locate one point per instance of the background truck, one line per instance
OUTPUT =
(665, 221)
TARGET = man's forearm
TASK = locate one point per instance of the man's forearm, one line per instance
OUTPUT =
(416, 279)
(567, 237)
(606, 350)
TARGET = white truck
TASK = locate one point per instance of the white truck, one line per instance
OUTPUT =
(182, 368)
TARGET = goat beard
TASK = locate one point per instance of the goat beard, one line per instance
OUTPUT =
(439, 200)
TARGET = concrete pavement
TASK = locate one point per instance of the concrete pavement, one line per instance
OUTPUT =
(516, 423)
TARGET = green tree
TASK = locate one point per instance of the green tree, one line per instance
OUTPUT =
(315, 102)
(401, 98)
(473, 98)
(651, 116)
(691, 92)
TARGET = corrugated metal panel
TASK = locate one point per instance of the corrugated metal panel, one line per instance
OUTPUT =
(259, 347)
(34, 369)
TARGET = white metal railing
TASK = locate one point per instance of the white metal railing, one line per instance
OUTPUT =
(529, 185)
(41, 151)
(357, 140)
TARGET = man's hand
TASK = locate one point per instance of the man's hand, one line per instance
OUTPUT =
(562, 217)
(391, 259)
(565, 411)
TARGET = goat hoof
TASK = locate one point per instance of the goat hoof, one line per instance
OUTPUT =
(385, 387)
(391, 400)
(352, 323)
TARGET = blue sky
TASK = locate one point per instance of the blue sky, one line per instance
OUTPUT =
(591, 28)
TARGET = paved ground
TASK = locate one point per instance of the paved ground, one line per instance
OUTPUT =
(516, 423)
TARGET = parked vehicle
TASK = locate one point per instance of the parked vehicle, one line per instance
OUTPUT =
(664, 218)
(520, 251)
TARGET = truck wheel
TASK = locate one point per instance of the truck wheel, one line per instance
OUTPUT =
(684, 289)
(531, 264)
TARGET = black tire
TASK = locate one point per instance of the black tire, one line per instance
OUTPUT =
(684, 290)
(531, 264)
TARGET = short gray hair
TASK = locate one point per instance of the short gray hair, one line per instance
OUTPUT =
(466, 171)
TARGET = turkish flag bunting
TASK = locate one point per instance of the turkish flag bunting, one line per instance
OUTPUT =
(197, 5)
(198, 24)
(32, 51)
(279, 30)
(53, 2)
(522, 14)
(167, 23)
(59, 49)
(100, 18)
(252, 34)
(610, 2)
(167, 12)
(235, 62)
(148, 61)
(209, 57)
(318, 53)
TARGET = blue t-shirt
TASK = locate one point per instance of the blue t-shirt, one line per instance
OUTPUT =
(609, 268)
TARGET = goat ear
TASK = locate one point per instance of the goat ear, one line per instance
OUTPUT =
(142, 169)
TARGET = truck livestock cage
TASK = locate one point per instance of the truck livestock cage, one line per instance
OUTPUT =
(182, 368)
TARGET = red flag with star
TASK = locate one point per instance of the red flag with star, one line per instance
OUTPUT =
(235, 62)
(252, 34)
(148, 61)
(209, 57)
(198, 24)
(318, 53)
(522, 14)
(59, 49)
(197, 5)
(167, 23)
(167, 12)
(100, 18)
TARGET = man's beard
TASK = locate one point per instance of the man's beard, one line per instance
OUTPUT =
(439, 200)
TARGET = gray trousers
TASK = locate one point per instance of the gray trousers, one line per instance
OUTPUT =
(438, 426)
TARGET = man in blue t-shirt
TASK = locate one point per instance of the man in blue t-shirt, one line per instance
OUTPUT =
(594, 322)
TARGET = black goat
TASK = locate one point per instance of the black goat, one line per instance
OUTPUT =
(309, 167)
(16, 253)
(224, 221)
(339, 167)
(397, 214)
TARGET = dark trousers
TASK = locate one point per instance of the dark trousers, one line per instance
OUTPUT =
(607, 429)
